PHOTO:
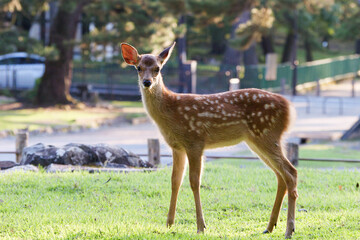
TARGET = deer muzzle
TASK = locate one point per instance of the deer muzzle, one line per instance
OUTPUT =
(146, 83)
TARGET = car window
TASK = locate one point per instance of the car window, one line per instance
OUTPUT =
(29, 61)
(10, 61)
(20, 60)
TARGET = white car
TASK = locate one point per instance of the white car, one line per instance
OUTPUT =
(20, 70)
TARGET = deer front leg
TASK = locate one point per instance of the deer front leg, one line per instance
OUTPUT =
(176, 180)
(195, 168)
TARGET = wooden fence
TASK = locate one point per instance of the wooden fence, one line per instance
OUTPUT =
(154, 156)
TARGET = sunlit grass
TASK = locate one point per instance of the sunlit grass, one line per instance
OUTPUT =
(41, 118)
(237, 201)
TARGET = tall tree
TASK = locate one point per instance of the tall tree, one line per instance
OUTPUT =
(55, 84)
(350, 22)
(138, 22)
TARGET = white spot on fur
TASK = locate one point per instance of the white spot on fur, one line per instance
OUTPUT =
(266, 106)
(254, 97)
(187, 108)
(186, 116)
(262, 119)
(192, 126)
(198, 123)
(195, 107)
(259, 114)
(178, 97)
(246, 94)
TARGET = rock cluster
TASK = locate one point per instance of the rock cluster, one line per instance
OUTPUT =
(73, 154)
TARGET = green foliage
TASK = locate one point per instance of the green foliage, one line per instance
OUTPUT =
(350, 20)
(5, 92)
(237, 201)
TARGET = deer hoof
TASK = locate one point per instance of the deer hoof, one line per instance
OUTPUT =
(266, 231)
(288, 235)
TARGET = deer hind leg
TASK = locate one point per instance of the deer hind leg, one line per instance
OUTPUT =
(273, 155)
(179, 164)
(195, 169)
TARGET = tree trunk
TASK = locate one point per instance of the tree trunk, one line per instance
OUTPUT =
(233, 56)
(267, 44)
(181, 43)
(289, 45)
(357, 46)
(218, 41)
(250, 57)
(56, 81)
(308, 50)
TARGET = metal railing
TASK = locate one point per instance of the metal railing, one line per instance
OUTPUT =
(111, 78)
(154, 155)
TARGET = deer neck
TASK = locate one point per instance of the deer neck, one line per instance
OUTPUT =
(154, 99)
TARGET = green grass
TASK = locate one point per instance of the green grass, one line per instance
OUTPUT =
(41, 118)
(237, 202)
(132, 104)
(325, 150)
(328, 150)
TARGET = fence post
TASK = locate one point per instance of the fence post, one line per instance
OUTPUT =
(318, 87)
(234, 84)
(283, 85)
(154, 151)
(292, 150)
(14, 79)
(189, 68)
(22, 138)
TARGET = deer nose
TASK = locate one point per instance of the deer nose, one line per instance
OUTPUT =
(146, 83)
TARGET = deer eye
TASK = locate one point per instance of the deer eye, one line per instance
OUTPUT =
(139, 69)
(157, 70)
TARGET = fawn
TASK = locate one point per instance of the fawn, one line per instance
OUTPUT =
(191, 123)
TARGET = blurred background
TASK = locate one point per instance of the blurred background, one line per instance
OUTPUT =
(64, 48)
(54, 53)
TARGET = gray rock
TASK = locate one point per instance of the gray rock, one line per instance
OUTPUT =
(7, 164)
(25, 168)
(100, 155)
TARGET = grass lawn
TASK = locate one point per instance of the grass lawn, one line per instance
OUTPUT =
(237, 201)
(43, 117)
(37, 118)
(324, 150)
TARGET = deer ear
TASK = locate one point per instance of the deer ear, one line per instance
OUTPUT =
(130, 54)
(165, 55)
